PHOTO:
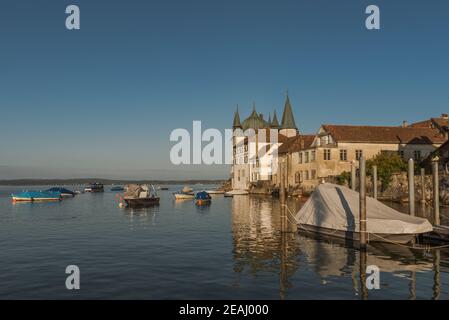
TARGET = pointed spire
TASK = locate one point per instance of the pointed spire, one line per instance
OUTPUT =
(288, 121)
(269, 119)
(236, 123)
(275, 122)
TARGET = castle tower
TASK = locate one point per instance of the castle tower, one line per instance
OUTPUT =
(288, 125)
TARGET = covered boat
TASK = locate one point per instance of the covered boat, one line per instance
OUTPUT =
(34, 196)
(64, 192)
(333, 210)
(95, 187)
(140, 196)
(117, 188)
(202, 198)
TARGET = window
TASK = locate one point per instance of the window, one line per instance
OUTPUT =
(238, 177)
(313, 174)
(417, 155)
(358, 154)
(312, 155)
(297, 177)
(245, 160)
(343, 155)
(306, 175)
(300, 157)
(401, 154)
(307, 156)
(327, 154)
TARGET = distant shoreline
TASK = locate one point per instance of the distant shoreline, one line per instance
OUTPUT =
(84, 181)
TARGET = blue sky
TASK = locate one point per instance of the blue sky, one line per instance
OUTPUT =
(103, 100)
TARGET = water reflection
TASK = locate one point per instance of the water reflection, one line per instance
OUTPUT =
(259, 248)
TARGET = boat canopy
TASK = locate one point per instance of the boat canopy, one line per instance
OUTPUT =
(61, 190)
(203, 195)
(337, 207)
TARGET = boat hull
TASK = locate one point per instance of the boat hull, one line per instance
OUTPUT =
(184, 196)
(355, 236)
(141, 202)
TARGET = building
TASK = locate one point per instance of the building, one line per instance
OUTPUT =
(335, 147)
(247, 171)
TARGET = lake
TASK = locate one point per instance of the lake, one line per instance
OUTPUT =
(231, 249)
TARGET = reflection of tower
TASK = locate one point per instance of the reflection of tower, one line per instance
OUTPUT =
(259, 247)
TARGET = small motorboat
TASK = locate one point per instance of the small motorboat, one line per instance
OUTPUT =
(202, 198)
(215, 191)
(184, 194)
(235, 193)
(88, 189)
(36, 196)
(140, 196)
(333, 210)
(65, 193)
(95, 187)
(117, 188)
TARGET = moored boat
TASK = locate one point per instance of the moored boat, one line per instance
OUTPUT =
(140, 196)
(65, 193)
(96, 187)
(184, 194)
(215, 191)
(235, 193)
(202, 198)
(36, 196)
(117, 188)
(333, 210)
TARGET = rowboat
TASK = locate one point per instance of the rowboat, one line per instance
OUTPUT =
(36, 196)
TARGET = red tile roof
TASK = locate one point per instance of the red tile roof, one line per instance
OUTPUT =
(377, 134)
(296, 143)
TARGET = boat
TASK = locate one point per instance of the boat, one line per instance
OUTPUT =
(65, 193)
(140, 196)
(36, 196)
(333, 210)
(88, 189)
(202, 198)
(235, 193)
(215, 191)
(117, 188)
(185, 193)
(95, 187)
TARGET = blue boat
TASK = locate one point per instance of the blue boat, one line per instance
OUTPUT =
(33, 196)
(202, 198)
(117, 188)
(64, 192)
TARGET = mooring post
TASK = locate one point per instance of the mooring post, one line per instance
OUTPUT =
(281, 182)
(353, 176)
(362, 206)
(375, 182)
(423, 185)
(436, 192)
(411, 187)
(282, 196)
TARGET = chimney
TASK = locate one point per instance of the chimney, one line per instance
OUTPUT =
(404, 124)
(444, 116)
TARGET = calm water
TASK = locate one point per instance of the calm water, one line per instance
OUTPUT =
(231, 249)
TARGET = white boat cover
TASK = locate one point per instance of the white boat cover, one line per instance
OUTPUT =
(337, 207)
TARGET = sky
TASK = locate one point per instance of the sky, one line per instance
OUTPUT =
(102, 101)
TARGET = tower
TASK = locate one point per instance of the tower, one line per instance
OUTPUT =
(288, 125)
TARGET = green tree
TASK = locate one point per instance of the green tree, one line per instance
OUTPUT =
(387, 164)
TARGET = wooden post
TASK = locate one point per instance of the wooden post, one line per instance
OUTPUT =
(423, 185)
(362, 206)
(284, 221)
(281, 182)
(375, 182)
(411, 187)
(436, 192)
(353, 176)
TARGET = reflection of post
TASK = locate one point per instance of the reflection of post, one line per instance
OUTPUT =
(363, 288)
(375, 182)
(411, 187)
(353, 176)
(412, 285)
(436, 277)
(283, 266)
(423, 185)
(436, 192)
(282, 196)
(362, 203)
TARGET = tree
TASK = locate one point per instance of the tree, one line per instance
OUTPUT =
(387, 164)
